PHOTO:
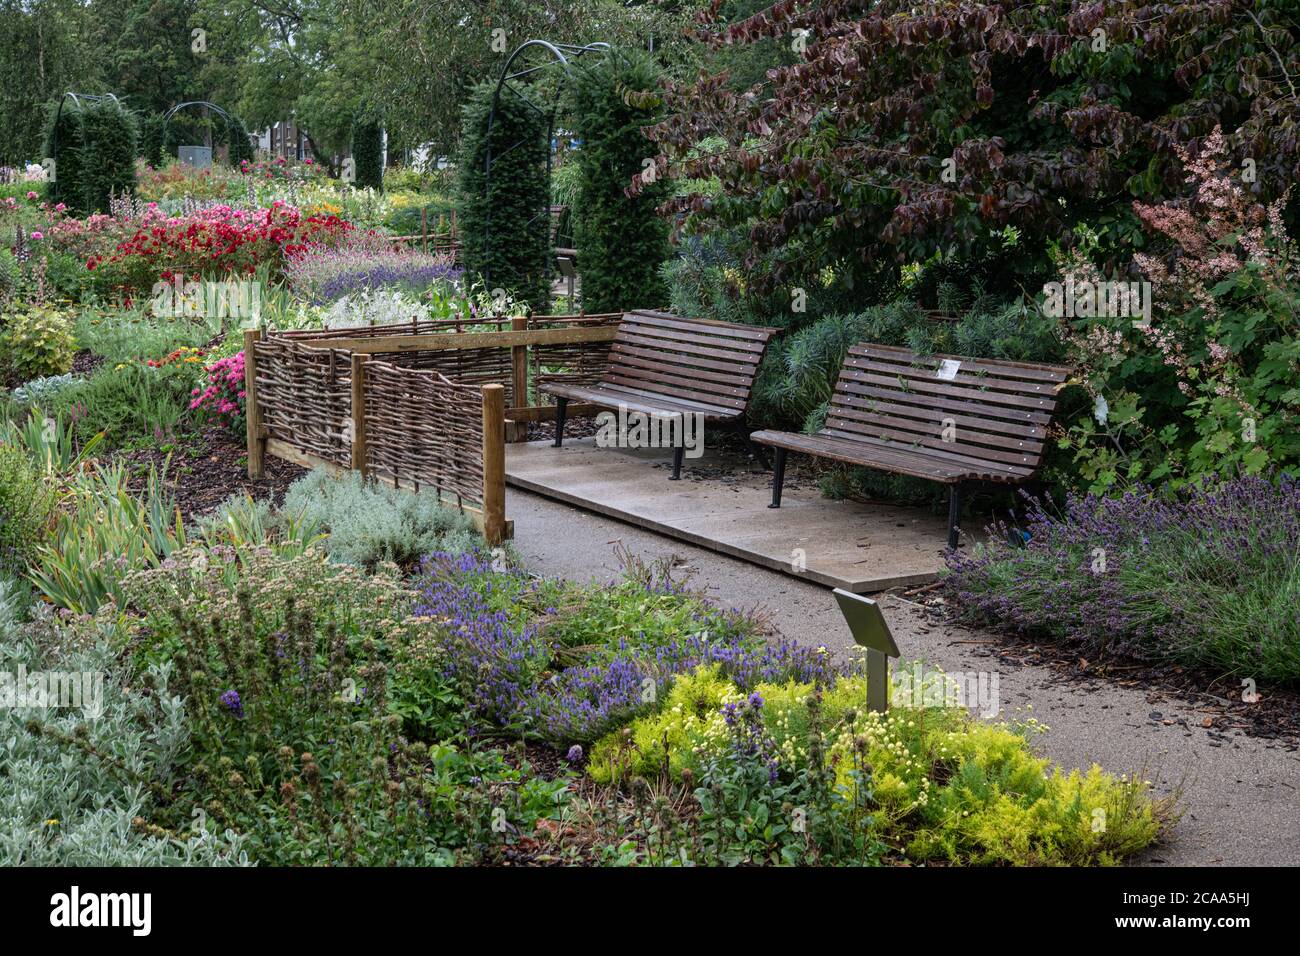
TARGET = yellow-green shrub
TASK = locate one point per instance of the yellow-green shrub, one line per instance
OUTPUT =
(690, 716)
(37, 342)
(943, 785)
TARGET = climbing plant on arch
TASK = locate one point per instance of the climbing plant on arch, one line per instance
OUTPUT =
(621, 239)
(503, 184)
(90, 142)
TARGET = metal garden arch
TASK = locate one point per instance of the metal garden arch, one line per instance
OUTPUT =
(554, 54)
(233, 126)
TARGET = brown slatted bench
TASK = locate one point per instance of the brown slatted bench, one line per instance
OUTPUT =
(665, 365)
(943, 417)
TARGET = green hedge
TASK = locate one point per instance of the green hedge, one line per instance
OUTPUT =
(94, 149)
(368, 154)
(621, 240)
(504, 230)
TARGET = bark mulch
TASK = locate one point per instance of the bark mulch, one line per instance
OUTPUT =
(206, 468)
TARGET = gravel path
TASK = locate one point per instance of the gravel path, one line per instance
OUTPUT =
(1241, 795)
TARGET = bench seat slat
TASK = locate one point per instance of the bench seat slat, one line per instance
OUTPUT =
(739, 350)
(654, 384)
(635, 401)
(897, 458)
(978, 383)
(919, 389)
(904, 429)
(854, 390)
(933, 445)
(851, 405)
(623, 358)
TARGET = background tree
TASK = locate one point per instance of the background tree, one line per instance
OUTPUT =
(908, 134)
(428, 55)
(147, 51)
(46, 49)
(621, 239)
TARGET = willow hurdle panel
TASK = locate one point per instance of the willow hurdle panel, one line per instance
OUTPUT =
(423, 405)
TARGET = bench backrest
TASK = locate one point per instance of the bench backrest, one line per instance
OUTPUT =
(985, 409)
(694, 359)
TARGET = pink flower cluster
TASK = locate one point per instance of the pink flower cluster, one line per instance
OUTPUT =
(223, 394)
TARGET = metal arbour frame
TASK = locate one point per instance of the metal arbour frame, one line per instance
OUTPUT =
(230, 120)
(558, 54)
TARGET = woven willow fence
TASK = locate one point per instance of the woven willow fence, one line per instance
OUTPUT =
(427, 406)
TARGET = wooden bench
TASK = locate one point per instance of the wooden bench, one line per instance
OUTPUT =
(943, 417)
(667, 366)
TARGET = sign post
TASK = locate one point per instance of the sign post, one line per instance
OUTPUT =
(870, 630)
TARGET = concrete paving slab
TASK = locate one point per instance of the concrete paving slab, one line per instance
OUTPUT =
(847, 544)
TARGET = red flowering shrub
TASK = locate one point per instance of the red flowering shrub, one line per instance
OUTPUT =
(220, 242)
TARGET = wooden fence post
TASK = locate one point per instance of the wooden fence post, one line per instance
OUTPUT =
(494, 464)
(519, 378)
(359, 413)
(253, 411)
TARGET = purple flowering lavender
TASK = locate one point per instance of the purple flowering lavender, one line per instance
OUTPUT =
(232, 702)
(516, 680)
(323, 275)
(1207, 576)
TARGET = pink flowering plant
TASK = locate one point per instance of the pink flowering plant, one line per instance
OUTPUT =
(221, 396)
(1211, 384)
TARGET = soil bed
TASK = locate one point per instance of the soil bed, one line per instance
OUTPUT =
(206, 468)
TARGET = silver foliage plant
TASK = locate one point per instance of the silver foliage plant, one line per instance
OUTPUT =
(369, 522)
(61, 806)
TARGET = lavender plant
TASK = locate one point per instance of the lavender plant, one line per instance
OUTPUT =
(321, 276)
(566, 663)
(1208, 576)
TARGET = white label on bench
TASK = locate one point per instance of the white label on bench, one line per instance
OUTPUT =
(947, 369)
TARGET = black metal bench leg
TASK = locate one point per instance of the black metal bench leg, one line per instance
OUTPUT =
(778, 476)
(954, 515)
(679, 452)
(561, 407)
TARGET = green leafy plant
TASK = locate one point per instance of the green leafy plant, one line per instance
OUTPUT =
(1209, 385)
(25, 506)
(76, 790)
(300, 674)
(103, 533)
(36, 341)
(368, 523)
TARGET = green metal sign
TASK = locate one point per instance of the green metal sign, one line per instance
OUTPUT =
(870, 630)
